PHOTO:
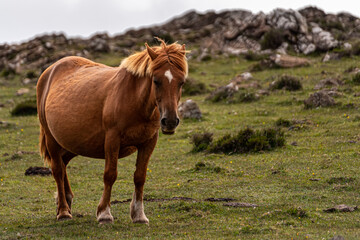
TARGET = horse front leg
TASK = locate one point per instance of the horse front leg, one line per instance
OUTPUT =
(112, 146)
(137, 206)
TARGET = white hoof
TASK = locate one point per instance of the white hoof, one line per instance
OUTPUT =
(105, 216)
(137, 211)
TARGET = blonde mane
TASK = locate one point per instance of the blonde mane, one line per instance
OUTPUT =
(141, 65)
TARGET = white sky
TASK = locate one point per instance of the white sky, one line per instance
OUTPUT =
(23, 19)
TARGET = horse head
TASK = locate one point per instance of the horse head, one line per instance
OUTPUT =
(167, 80)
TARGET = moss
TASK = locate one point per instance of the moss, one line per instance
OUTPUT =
(193, 87)
(27, 107)
(249, 140)
(201, 141)
(287, 82)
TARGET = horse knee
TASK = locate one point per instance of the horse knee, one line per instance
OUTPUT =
(110, 177)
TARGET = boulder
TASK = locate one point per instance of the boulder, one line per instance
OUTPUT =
(287, 61)
(328, 83)
(319, 99)
(323, 40)
(287, 20)
(22, 91)
(189, 109)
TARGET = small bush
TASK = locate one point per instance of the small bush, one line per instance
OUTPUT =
(272, 39)
(249, 140)
(223, 93)
(27, 107)
(243, 97)
(356, 48)
(283, 122)
(201, 141)
(356, 79)
(230, 95)
(7, 72)
(253, 56)
(200, 166)
(297, 212)
(192, 87)
(287, 82)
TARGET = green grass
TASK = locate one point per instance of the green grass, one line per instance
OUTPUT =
(289, 204)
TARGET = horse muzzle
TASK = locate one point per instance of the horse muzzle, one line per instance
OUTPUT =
(168, 125)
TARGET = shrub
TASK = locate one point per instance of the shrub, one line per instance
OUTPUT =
(272, 39)
(283, 122)
(356, 78)
(192, 87)
(201, 141)
(200, 166)
(253, 56)
(230, 95)
(287, 82)
(27, 107)
(242, 97)
(249, 140)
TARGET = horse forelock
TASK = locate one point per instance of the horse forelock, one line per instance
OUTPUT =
(141, 65)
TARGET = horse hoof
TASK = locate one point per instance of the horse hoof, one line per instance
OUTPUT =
(64, 216)
(141, 220)
(106, 221)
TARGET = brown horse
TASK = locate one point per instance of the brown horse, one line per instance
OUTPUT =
(89, 109)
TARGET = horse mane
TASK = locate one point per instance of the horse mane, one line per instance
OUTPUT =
(141, 65)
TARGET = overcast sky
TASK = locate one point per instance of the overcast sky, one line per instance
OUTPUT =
(23, 19)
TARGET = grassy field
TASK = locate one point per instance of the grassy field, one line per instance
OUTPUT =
(291, 186)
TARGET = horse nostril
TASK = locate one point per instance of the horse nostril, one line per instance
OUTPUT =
(177, 121)
(163, 121)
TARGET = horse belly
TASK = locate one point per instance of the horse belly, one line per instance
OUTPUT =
(76, 127)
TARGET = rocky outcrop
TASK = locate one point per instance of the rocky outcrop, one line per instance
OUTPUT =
(229, 32)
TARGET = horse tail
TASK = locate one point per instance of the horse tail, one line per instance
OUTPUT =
(42, 147)
(42, 90)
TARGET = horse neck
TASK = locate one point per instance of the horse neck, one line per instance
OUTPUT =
(144, 94)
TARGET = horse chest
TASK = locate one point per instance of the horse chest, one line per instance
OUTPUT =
(139, 133)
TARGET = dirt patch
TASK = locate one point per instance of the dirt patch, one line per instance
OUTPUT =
(219, 199)
(43, 171)
(237, 204)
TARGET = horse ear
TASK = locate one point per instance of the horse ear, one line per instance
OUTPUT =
(153, 55)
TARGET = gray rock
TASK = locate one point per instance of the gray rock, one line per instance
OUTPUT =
(323, 40)
(347, 46)
(189, 109)
(338, 237)
(287, 20)
(319, 99)
(22, 91)
(328, 83)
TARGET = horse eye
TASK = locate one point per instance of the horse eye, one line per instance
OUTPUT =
(157, 82)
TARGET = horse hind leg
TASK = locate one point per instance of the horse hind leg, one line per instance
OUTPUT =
(69, 195)
(59, 173)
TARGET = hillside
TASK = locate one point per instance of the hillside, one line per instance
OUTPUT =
(229, 32)
(217, 177)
